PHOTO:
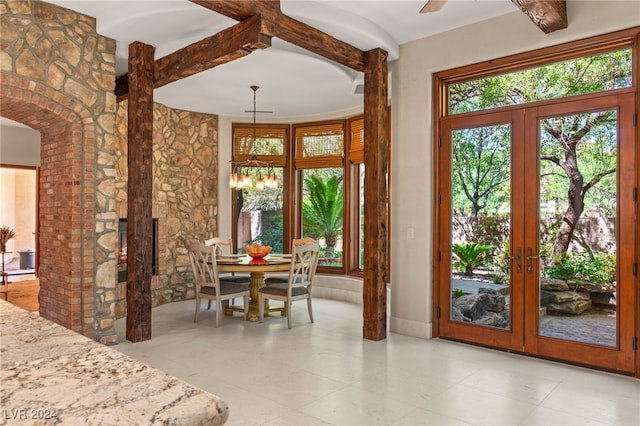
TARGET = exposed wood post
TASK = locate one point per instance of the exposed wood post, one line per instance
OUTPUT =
(139, 192)
(376, 136)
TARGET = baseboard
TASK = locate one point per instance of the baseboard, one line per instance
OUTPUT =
(421, 330)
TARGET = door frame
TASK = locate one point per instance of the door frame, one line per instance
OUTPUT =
(583, 47)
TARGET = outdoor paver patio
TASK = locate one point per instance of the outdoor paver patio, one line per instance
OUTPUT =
(594, 326)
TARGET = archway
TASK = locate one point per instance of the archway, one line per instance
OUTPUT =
(66, 199)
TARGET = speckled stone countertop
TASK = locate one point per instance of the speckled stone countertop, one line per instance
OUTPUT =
(52, 375)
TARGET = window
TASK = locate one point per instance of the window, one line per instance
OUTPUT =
(320, 167)
(260, 215)
(579, 76)
(319, 153)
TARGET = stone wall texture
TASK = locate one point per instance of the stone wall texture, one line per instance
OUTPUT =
(185, 168)
(57, 75)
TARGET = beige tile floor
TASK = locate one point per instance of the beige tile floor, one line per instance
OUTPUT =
(326, 374)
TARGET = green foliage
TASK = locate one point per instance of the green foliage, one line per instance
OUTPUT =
(271, 232)
(597, 268)
(322, 209)
(607, 71)
(457, 293)
(500, 278)
(481, 164)
(493, 230)
(470, 256)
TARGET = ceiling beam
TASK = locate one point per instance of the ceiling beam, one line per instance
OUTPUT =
(288, 29)
(225, 46)
(548, 15)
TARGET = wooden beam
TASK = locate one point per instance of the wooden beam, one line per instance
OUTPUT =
(548, 15)
(227, 45)
(376, 194)
(318, 42)
(239, 10)
(139, 192)
(290, 30)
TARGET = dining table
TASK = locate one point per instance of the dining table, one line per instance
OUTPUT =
(257, 268)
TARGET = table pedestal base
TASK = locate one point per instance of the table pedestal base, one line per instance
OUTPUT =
(257, 282)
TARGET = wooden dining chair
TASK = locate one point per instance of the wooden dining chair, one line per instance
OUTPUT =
(299, 285)
(225, 246)
(209, 285)
(276, 279)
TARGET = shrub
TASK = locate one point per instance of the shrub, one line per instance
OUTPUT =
(597, 268)
(470, 256)
(457, 292)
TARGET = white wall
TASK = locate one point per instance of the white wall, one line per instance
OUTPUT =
(18, 208)
(412, 157)
(19, 146)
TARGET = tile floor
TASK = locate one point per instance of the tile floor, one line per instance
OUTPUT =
(326, 374)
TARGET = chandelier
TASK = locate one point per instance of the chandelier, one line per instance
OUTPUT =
(243, 172)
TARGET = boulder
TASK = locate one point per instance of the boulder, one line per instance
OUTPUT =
(473, 306)
(496, 299)
(490, 319)
(546, 297)
(456, 315)
(553, 284)
(608, 299)
(569, 296)
(591, 287)
(575, 307)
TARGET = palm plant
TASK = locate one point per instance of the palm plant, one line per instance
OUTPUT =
(322, 210)
(470, 256)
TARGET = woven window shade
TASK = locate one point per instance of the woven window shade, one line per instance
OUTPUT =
(319, 145)
(356, 146)
(269, 144)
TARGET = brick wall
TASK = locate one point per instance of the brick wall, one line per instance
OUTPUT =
(57, 76)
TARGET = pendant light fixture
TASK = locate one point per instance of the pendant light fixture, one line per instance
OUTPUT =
(243, 172)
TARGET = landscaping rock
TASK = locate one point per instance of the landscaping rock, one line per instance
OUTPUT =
(575, 307)
(490, 319)
(546, 297)
(473, 306)
(608, 299)
(591, 287)
(456, 315)
(569, 296)
(553, 284)
(496, 299)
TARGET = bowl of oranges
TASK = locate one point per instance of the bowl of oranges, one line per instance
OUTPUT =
(257, 251)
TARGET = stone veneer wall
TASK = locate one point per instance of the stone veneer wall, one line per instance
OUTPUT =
(57, 76)
(185, 202)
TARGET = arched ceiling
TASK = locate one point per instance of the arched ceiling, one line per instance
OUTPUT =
(293, 82)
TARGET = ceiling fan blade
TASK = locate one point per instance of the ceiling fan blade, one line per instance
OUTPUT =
(432, 6)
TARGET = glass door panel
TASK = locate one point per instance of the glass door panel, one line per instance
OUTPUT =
(479, 259)
(580, 234)
(481, 217)
(577, 235)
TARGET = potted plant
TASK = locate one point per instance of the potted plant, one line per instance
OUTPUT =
(6, 234)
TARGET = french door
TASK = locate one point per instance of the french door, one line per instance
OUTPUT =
(536, 229)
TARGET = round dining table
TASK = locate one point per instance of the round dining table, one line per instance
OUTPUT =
(256, 269)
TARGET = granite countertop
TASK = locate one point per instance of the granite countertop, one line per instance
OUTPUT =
(52, 375)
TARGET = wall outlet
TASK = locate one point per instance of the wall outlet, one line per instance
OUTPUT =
(410, 234)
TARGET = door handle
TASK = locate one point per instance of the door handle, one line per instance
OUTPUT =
(530, 258)
(518, 259)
